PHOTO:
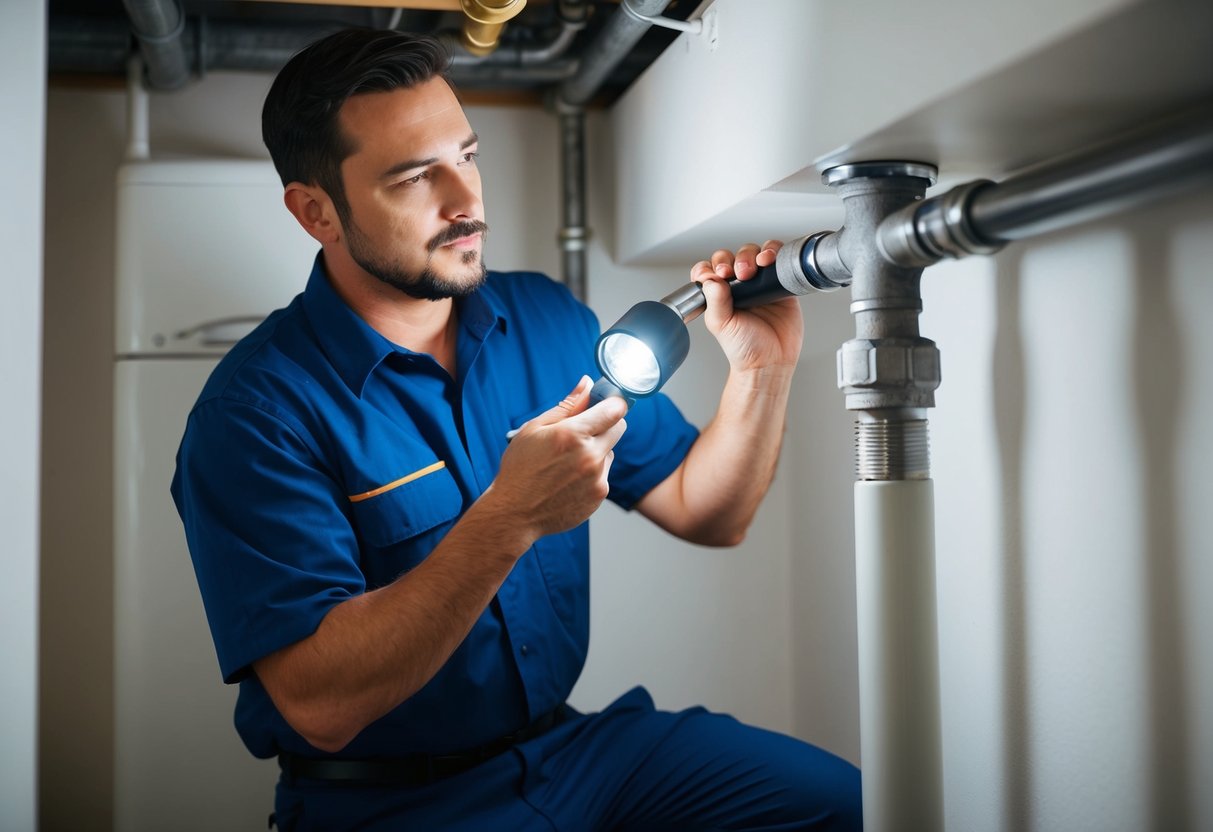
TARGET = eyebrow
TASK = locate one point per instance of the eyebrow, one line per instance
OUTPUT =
(411, 164)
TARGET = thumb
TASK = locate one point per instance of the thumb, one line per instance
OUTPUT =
(571, 405)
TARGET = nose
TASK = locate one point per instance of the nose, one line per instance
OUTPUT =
(461, 196)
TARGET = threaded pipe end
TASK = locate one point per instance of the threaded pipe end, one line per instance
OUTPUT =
(892, 450)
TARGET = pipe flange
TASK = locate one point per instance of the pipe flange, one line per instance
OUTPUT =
(879, 170)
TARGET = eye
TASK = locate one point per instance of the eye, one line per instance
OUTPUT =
(470, 157)
(413, 180)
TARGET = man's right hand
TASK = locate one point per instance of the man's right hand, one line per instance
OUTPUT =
(553, 475)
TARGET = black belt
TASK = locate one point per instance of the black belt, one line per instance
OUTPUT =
(415, 769)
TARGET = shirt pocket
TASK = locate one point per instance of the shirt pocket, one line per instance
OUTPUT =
(403, 509)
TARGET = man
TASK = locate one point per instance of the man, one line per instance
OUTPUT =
(400, 592)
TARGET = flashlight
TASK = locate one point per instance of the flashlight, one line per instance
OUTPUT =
(639, 353)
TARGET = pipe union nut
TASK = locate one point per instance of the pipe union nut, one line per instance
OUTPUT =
(892, 364)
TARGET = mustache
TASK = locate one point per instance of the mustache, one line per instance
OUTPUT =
(455, 232)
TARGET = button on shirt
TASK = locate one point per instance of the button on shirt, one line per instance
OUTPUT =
(322, 461)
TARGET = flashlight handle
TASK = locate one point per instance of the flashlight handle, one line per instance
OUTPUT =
(761, 289)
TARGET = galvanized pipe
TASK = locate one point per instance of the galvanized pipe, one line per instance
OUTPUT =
(158, 25)
(980, 217)
(574, 233)
(618, 36)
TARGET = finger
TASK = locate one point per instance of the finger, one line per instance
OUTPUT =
(611, 436)
(601, 417)
(768, 253)
(722, 263)
(606, 466)
(570, 405)
(745, 266)
(702, 271)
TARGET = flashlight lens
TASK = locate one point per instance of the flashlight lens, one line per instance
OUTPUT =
(630, 363)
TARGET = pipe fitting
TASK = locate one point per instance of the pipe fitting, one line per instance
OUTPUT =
(926, 232)
(888, 366)
(892, 445)
(889, 372)
(799, 270)
(485, 20)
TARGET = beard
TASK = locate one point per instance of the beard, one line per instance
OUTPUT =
(427, 284)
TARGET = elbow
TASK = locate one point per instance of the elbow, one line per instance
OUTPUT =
(720, 538)
(729, 540)
(319, 727)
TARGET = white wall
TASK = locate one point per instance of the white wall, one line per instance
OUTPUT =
(694, 625)
(23, 91)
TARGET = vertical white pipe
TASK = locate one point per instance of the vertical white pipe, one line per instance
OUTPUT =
(898, 656)
(137, 129)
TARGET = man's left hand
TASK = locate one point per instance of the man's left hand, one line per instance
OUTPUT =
(752, 339)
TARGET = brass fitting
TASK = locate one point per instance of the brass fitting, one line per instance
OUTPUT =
(485, 20)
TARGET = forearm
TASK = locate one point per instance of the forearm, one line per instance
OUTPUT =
(374, 651)
(713, 496)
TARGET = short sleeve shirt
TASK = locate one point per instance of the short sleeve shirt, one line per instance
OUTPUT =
(322, 461)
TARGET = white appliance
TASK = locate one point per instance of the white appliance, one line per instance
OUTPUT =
(205, 250)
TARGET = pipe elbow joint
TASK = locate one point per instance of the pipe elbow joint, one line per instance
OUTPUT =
(485, 21)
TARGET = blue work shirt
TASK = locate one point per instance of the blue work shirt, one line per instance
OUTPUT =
(322, 461)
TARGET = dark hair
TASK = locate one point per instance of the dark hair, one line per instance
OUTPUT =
(299, 120)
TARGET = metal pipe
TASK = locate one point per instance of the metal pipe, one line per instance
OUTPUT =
(980, 217)
(618, 36)
(571, 22)
(81, 45)
(485, 21)
(574, 233)
(158, 25)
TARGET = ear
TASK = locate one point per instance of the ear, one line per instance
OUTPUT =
(314, 211)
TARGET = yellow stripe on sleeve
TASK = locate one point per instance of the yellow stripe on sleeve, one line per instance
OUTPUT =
(416, 475)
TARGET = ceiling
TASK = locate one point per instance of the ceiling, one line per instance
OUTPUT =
(89, 40)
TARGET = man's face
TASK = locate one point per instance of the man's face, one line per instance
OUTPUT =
(416, 215)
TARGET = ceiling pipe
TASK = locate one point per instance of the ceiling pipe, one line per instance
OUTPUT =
(158, 26)
(620, 34)
(85, 45)
(485, 21)
(618, 37)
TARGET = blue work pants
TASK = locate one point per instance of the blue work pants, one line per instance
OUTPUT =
(629, 768)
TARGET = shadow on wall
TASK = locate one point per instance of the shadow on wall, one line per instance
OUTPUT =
(1008, 369)
(1157, 377)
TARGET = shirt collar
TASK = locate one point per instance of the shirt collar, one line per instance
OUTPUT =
(356, 349)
